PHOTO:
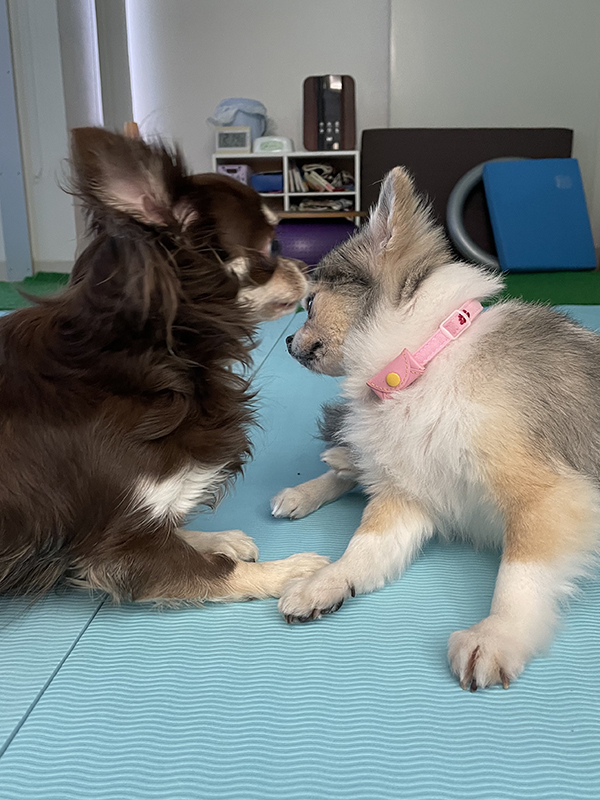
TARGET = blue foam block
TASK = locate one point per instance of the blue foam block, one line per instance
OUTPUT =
(539, 215)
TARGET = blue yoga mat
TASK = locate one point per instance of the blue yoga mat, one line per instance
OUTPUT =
(227, 702)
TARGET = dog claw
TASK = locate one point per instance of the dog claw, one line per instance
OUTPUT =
(332, 609)
(316, 613)
(469, 681)
(291, 619)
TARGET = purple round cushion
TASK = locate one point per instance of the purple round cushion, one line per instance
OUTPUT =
(310, 241)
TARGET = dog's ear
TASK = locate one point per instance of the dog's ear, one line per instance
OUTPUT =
(400, 218)
(125, 175)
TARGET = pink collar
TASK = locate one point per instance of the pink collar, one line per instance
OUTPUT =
(407, 367)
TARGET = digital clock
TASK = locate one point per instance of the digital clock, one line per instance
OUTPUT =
(233, 140)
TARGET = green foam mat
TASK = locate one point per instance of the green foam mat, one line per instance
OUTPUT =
(43, 283)
(577, 288)
(557, 288)
(227, 702)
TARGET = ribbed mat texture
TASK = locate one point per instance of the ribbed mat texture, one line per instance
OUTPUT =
(227, 702)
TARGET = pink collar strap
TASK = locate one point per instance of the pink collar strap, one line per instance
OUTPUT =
(406, 368)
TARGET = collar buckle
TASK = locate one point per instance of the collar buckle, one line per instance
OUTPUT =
(459, 317)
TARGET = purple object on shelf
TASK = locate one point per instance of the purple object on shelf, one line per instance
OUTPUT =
(240, 172)
(309, 241)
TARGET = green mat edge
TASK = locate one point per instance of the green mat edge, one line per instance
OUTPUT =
(41, 284)
(556, 288)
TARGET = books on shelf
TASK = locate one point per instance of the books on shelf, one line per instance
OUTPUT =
(318, 178)
(297, 184)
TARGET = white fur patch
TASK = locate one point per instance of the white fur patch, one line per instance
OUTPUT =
(174, 497)
(238, 266)
(270, 216)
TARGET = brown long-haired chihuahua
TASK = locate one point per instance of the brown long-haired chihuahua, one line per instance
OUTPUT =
(119, 408)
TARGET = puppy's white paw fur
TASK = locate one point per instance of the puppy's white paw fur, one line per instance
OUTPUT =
(304, 599)
(340, 460)
(300, 565)
(486, 654)
(295, 502)
(235, 544)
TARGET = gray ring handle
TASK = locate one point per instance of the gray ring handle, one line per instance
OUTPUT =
(454, 215)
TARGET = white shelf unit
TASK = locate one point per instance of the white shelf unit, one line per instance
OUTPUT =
(280, 202)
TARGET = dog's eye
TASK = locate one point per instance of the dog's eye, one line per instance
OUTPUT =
(275, 248)
(308, 303)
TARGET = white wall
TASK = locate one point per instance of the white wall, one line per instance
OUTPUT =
(501, 63)
(44, 138)
(187, 55)
(453, 63)
(2, 253)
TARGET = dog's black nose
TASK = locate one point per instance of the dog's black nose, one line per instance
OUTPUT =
(288, 341)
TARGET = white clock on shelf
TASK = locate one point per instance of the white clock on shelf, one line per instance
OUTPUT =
(232, 140)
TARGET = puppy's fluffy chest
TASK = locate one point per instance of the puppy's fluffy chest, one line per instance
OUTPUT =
(422, 443)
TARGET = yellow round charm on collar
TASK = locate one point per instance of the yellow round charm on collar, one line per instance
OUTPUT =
(392, 379)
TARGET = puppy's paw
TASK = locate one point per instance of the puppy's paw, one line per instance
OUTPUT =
(301, 565)
(486, 654)
(305, 599)
(340, 460)
(235, 544)
(295, 503)
(268, 578)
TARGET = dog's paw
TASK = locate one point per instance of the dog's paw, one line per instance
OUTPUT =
(294, 503)
(235, 544)
(340, 460)
(301, 565)
(268, 578)
(305, 599)
(486, 654)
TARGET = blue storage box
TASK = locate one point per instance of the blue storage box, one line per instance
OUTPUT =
(267, 182)
(539, 215)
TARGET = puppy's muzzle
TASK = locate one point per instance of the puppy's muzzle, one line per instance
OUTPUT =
(303, 357)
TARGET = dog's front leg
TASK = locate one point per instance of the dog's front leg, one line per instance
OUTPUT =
(549, 540)
(521, 621)
(391, 531)
(299, 501)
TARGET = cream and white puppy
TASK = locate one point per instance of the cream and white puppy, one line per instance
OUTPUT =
(498, 441)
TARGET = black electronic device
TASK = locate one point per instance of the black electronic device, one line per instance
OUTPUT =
(329, 104)
(329, 116)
